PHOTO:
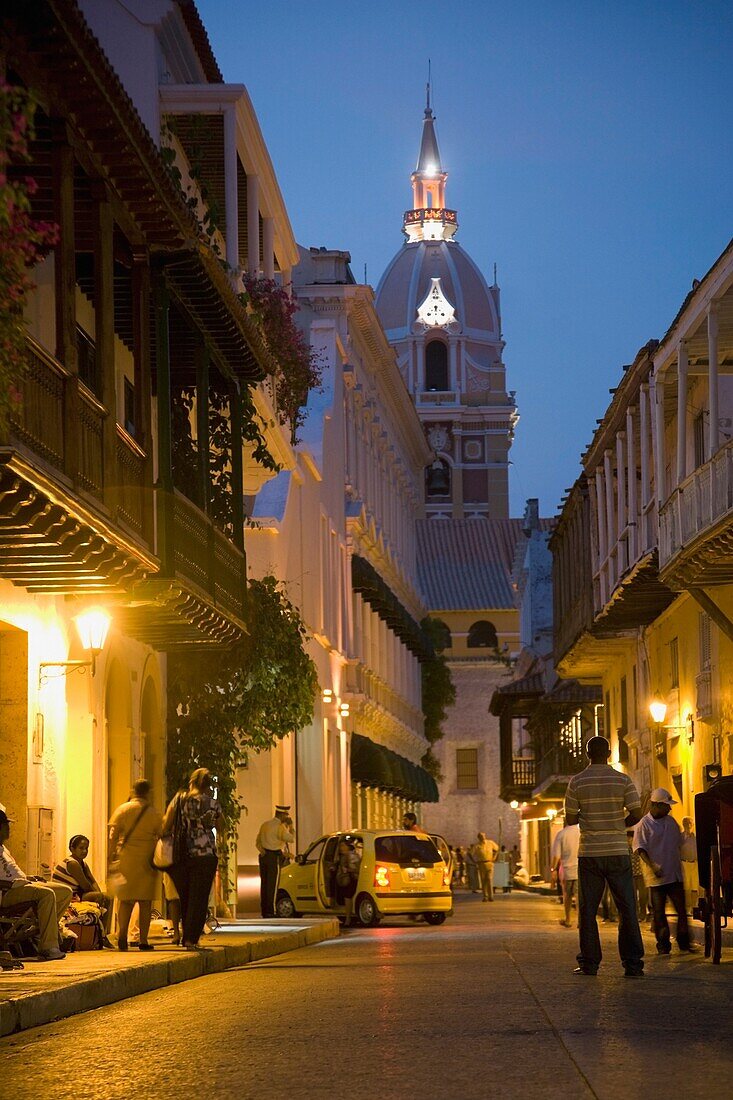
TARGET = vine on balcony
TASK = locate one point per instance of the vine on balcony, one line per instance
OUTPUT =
(210, 221)
(298, 368)
(23, 241)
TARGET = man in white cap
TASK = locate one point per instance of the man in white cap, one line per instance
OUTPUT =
(657, 839)
(272, 841)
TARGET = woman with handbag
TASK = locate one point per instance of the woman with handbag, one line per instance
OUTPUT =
(134, 829)
(190, 821)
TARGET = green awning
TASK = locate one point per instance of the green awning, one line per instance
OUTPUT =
(374, 765)
(367, 582)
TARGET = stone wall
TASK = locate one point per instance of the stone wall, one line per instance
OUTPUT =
(460, 814)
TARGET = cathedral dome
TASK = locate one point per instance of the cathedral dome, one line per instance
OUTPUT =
(444, 322)
(408, 279)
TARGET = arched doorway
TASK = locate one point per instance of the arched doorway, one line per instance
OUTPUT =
(152, 747)
(118, 718)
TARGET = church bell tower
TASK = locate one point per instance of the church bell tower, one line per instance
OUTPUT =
(444, 321)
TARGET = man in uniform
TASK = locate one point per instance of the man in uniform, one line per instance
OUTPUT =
(485, 852)
(272, 841)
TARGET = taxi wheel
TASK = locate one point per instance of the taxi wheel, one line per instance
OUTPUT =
(284, 907)
(435, 918)
(366, 911)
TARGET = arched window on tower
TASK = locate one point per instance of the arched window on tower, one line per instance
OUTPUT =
(437, 479)
(436, 366)
(482, 635)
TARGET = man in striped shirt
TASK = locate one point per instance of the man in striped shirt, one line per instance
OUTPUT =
(605, 802)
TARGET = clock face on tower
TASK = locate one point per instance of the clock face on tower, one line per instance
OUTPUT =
(436, 311)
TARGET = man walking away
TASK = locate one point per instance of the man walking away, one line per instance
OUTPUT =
(485, 853)
(565, 856)
(604, 802)
(657, 839)
(272, 841)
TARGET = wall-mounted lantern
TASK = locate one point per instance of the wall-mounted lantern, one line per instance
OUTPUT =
(92, 627)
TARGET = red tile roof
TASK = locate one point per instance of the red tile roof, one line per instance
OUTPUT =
(466, 564)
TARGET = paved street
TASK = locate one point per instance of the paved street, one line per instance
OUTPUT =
(484, 1006)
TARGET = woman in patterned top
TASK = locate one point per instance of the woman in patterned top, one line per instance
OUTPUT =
(194, 873)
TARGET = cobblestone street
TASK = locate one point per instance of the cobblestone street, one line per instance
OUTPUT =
(484, 1006)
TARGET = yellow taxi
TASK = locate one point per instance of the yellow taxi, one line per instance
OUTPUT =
(401, 873)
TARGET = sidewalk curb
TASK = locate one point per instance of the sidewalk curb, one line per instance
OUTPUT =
(33, 1009)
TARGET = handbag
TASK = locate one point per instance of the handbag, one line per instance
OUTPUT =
(168, 848)
(163, 853)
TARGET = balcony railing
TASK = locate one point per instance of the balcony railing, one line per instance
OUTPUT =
(203, 555)
(523, 771)
(362, 681)
(437, 397)
(518, 777)
(697, 504)
(557, 762)
(38, 425)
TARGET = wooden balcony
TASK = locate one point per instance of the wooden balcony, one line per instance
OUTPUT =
(517, 779)
(199, 595)
(696, 526)
(554, 770)
(69, 521)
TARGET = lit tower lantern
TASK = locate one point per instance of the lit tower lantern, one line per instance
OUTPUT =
(429, 220)
(444, 322)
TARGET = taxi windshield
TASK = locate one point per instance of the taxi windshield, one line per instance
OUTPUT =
(407, 851)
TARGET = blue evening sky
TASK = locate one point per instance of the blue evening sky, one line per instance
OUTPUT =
(589, 149)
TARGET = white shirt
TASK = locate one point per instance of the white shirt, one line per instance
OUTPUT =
(565, 848)
(9, 869)
(660, 838)
(273, 836)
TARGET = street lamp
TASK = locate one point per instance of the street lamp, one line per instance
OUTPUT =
(92, 627)
(658, 710)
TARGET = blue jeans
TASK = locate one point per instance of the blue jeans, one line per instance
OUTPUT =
(675, 891)
(594, 872)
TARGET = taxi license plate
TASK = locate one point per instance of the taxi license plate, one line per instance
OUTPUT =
(416, 874)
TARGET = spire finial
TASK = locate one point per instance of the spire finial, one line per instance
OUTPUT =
(428, 108)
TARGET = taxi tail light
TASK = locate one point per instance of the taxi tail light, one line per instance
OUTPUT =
(381, 876)
(446, 876)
